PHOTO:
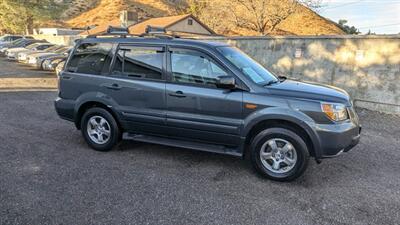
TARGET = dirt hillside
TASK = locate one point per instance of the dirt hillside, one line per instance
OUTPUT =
(96, 12)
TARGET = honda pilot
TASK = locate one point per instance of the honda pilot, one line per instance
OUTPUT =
(204, 96)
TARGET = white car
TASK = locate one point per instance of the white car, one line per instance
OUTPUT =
(13, 53)
(37, 59)
(23, 56)
(9, 38)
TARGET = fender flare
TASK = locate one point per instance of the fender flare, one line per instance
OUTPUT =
(286, 114)
(95, 97)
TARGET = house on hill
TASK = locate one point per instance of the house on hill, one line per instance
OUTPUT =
(186, 24)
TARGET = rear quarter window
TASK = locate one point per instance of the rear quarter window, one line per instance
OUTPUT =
(91, 58)
(139, 62)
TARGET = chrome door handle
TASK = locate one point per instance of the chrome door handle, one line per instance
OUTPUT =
(178, 94)
(112, 86)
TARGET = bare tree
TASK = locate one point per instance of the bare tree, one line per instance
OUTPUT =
(208, 11)
(263, 16)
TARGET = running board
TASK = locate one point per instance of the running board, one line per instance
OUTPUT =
(183, 144)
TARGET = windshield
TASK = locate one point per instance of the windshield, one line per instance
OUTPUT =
(32, 46)
(52, 48)
(2, 38)
(248, 66)
(61, 50)
(17, 41)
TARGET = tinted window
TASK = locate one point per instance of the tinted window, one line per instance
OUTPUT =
(139, 62)
(91, 58)
(13, 38)
(42, 47)
(194, 67)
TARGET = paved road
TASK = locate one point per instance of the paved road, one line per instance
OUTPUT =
(49, 176)
(14, 69)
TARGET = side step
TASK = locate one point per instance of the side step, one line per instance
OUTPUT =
(182, 144)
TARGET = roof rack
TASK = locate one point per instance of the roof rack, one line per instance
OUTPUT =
(158, 32)
(114, 31)
(151, 31)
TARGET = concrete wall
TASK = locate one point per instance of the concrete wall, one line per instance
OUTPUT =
(368, 67)
(56, 31)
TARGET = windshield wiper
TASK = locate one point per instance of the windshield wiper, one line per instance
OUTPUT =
(282, 78)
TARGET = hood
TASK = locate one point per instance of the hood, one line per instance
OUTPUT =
(310, 90)
(45, 54)
(56, 57)
(39, 53)
(16, 49)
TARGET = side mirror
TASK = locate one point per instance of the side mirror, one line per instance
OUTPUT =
(226, 82)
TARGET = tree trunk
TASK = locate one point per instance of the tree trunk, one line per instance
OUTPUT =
(29, 25)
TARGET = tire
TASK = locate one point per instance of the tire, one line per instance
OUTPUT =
(289, 153)
(107, 127)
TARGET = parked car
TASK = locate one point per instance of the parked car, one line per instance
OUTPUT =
(13, 54)
(23, 56)
(205, 96)
(36, 60)
(9, 38)
(23, 42)
(51, 63)
(60, 66)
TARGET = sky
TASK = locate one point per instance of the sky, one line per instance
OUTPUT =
(379, 16)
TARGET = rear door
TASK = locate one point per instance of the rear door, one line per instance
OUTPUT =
(130, 78)
(137, 83)
(196, 108)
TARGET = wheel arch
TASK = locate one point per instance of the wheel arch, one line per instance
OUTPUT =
(295, 124)
(84, 106)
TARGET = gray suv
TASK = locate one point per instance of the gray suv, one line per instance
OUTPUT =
(204, 96)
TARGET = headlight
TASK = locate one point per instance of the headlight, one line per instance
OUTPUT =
(335, 111)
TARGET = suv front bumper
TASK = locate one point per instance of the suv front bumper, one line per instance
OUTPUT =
(335, 139)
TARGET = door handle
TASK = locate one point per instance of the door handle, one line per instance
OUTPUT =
(66, 77)
(178, 94)
(112, 86)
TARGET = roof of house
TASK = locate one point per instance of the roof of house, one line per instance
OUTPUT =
(164, 22)
(140, 28)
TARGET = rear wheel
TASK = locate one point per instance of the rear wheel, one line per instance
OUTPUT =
(100, 129)
(279, 154)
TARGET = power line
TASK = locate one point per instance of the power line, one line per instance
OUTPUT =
(361, 1)
(341, 5)
(383, 25)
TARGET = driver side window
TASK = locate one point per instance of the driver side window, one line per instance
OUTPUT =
(194, 67)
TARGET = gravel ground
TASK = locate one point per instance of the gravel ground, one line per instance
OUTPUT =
(14, 69)
(48, 175)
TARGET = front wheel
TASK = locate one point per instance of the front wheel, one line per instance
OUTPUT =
(279, 154)
(100, 129)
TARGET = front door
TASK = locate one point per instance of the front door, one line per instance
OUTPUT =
(196, 108)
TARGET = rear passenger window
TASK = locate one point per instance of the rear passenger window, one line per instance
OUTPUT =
(91, 58)
(139, 62)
